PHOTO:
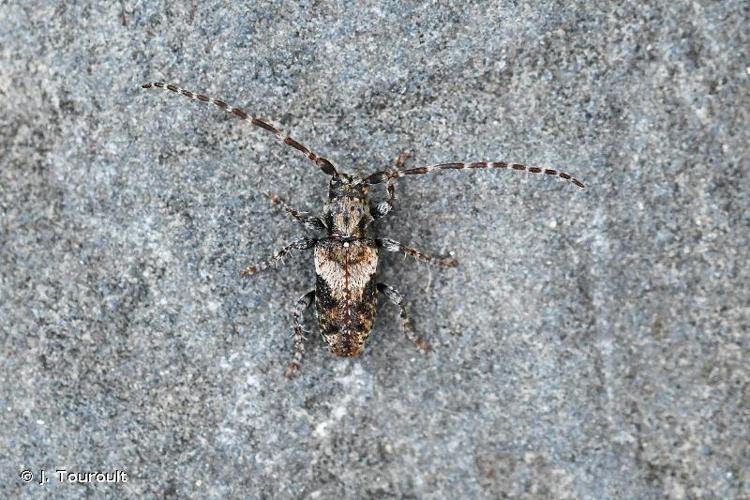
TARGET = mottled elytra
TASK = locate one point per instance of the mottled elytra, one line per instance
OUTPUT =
(346, 253)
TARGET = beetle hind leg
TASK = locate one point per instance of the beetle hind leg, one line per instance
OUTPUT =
(299, 333)
(395, 297)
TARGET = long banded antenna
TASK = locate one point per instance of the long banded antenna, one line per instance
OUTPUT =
(390, 175)
(324, 164)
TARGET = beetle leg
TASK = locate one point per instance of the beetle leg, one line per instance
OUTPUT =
(385, 207)
(310, 222)
(390, 245)
(298, 244)
(396, 298)
(299, 334)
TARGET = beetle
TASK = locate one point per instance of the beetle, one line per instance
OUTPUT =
(347, 254)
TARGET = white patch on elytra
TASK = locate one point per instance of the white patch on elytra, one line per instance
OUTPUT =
(331, 265)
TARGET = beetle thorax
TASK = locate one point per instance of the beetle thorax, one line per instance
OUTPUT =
(349, 217)
(348, 212)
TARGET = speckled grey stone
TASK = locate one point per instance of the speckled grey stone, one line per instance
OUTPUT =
(592, 344)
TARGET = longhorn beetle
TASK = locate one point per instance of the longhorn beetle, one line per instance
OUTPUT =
(346, 257)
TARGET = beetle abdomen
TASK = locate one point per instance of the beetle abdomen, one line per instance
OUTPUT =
(345, 293)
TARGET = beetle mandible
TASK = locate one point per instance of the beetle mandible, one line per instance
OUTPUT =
(346, 257)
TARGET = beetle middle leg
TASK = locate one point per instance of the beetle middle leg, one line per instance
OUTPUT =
(298, 244)
(395, 297)
(390, 245)
(299, 333)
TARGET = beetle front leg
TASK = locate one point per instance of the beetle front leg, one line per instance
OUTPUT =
(385, 207)
(390, 245)
(310, 222)
(299, 334)
(396, 298)
(298, 244)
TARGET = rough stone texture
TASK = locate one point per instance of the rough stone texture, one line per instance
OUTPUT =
(592, 344)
